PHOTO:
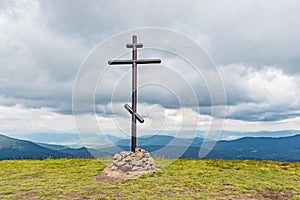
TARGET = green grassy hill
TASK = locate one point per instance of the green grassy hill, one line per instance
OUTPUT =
(14, 149)
(11, 148)
(182, 179)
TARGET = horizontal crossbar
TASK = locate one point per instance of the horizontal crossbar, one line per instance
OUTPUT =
(119, 62)
(148, 61)
(137, 45)
(141, 61)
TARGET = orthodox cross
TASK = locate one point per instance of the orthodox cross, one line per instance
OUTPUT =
(134, 62)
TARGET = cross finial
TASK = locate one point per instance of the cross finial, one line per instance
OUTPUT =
(134, 44)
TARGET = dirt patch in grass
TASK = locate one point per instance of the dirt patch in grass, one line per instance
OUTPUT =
(268, 194)
(29, 195)
(274, 194)
(77, 196)
(109, 175)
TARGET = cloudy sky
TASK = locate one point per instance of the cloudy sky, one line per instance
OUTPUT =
(254, 44)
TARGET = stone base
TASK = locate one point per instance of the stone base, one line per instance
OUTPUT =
(140, 160)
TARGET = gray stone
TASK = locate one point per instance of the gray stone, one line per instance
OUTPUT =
(136, 168)
(137, 163)
(117, 157)
(114, 167)
(123, 154)
(120, 163)
(146, 166)
(127, 159)
(134, 158)
(126, 167)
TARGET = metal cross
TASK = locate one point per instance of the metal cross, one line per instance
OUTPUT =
(133, 110)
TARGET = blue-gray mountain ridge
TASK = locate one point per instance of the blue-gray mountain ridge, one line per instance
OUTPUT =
(255, 148)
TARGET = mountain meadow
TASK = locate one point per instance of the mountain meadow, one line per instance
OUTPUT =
(76, 178)
(245, 168)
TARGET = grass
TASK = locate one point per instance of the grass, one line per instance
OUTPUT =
(182, 179)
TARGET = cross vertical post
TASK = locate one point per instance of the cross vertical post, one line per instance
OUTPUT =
(134, 62)
(134, 93)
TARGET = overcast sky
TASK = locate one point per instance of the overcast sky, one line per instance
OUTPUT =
(254, 44)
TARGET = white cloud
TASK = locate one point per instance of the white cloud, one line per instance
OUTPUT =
(260, 94)
(19, 118)
(256, 126)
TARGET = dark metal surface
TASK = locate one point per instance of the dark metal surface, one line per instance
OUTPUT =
(138, 117)
(120, 62)
(141, 61)
(148, 61)
(133, 109)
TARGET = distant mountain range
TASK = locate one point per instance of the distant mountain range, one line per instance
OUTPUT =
(92, 140)
(257, 148)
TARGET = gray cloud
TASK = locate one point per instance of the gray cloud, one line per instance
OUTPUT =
(254, 32)
(42, 44)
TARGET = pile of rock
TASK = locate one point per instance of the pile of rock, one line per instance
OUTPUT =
(140, 160)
